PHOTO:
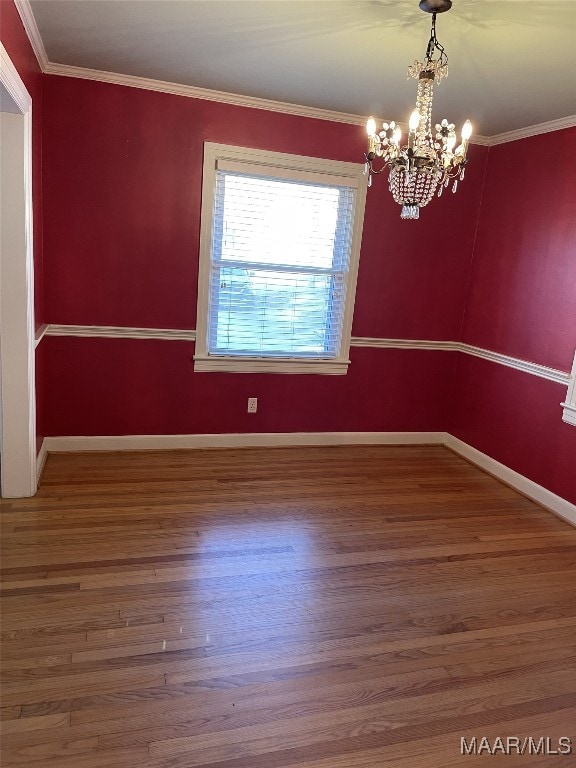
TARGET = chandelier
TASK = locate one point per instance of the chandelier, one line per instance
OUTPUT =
(429, 160)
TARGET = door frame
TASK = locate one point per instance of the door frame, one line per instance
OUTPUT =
(18, 471)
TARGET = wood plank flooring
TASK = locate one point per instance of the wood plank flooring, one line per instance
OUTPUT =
(342, 607)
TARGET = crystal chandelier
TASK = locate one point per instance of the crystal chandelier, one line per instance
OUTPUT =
(429, 160)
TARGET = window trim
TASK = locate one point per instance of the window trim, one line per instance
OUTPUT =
(287, 166)
(569, 414)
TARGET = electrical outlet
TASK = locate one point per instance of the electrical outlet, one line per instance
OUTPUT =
(252, 404)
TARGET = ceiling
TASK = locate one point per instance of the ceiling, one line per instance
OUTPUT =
(512, 62)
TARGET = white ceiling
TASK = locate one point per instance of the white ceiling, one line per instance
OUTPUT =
(512, 62)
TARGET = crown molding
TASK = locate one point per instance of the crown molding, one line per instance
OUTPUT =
(12, 81)
(25, 10)
(222, 97)
(239, 100)
(206, 94)
(255, 102)
(533, 130)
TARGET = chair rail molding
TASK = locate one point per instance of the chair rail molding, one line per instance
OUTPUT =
(171, 334)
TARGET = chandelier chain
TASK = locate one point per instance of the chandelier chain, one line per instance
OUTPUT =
(435, 44)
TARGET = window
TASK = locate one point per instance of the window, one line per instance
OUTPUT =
(279, 244)
(569, 415)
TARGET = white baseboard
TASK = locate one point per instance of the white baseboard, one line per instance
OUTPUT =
(240, 440)
(41, 459)
(529, 488)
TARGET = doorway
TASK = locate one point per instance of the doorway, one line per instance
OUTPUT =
(17, 358)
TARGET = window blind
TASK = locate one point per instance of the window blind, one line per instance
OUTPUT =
(279, 263)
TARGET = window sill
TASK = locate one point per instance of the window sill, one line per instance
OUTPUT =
(569, 415)
(206, 364)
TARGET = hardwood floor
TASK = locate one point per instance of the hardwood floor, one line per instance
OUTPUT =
(343, 607)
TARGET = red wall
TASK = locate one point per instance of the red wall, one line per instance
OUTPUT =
(522, 302)
(121, 386)
(15, 40)
(516, 418)
(522, 298)
(122, 183)
(493, 265)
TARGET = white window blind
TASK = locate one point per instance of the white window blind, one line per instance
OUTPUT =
(279, 262)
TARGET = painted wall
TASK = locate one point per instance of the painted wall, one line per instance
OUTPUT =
(15, 40)
(522, 302)
(121, 386)
(122, 183)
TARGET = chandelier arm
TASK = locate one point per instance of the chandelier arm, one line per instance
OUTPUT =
(375, 170)
(451, 173)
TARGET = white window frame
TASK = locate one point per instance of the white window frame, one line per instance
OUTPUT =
(569, 415)
(291, 167)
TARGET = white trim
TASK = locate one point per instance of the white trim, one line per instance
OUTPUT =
(283, 172)
(240, 440)
(224, 364)
(569, 415)
(254, 102)
(543, 371)
(24, 9)
(13, 82)
(222, 97)
(299, 110)
(41, 460)
(40, 333)
(118, 332)
(169, 334)
(205, 94)
(374, 343)
(337, 171)
(551, 374)
(533, 130)
(17, 358)
(290, 166)
(529, 488)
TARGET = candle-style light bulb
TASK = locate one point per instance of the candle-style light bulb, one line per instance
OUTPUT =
(397, 135)
(466, 130)
(414, 120)
(372, 138)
